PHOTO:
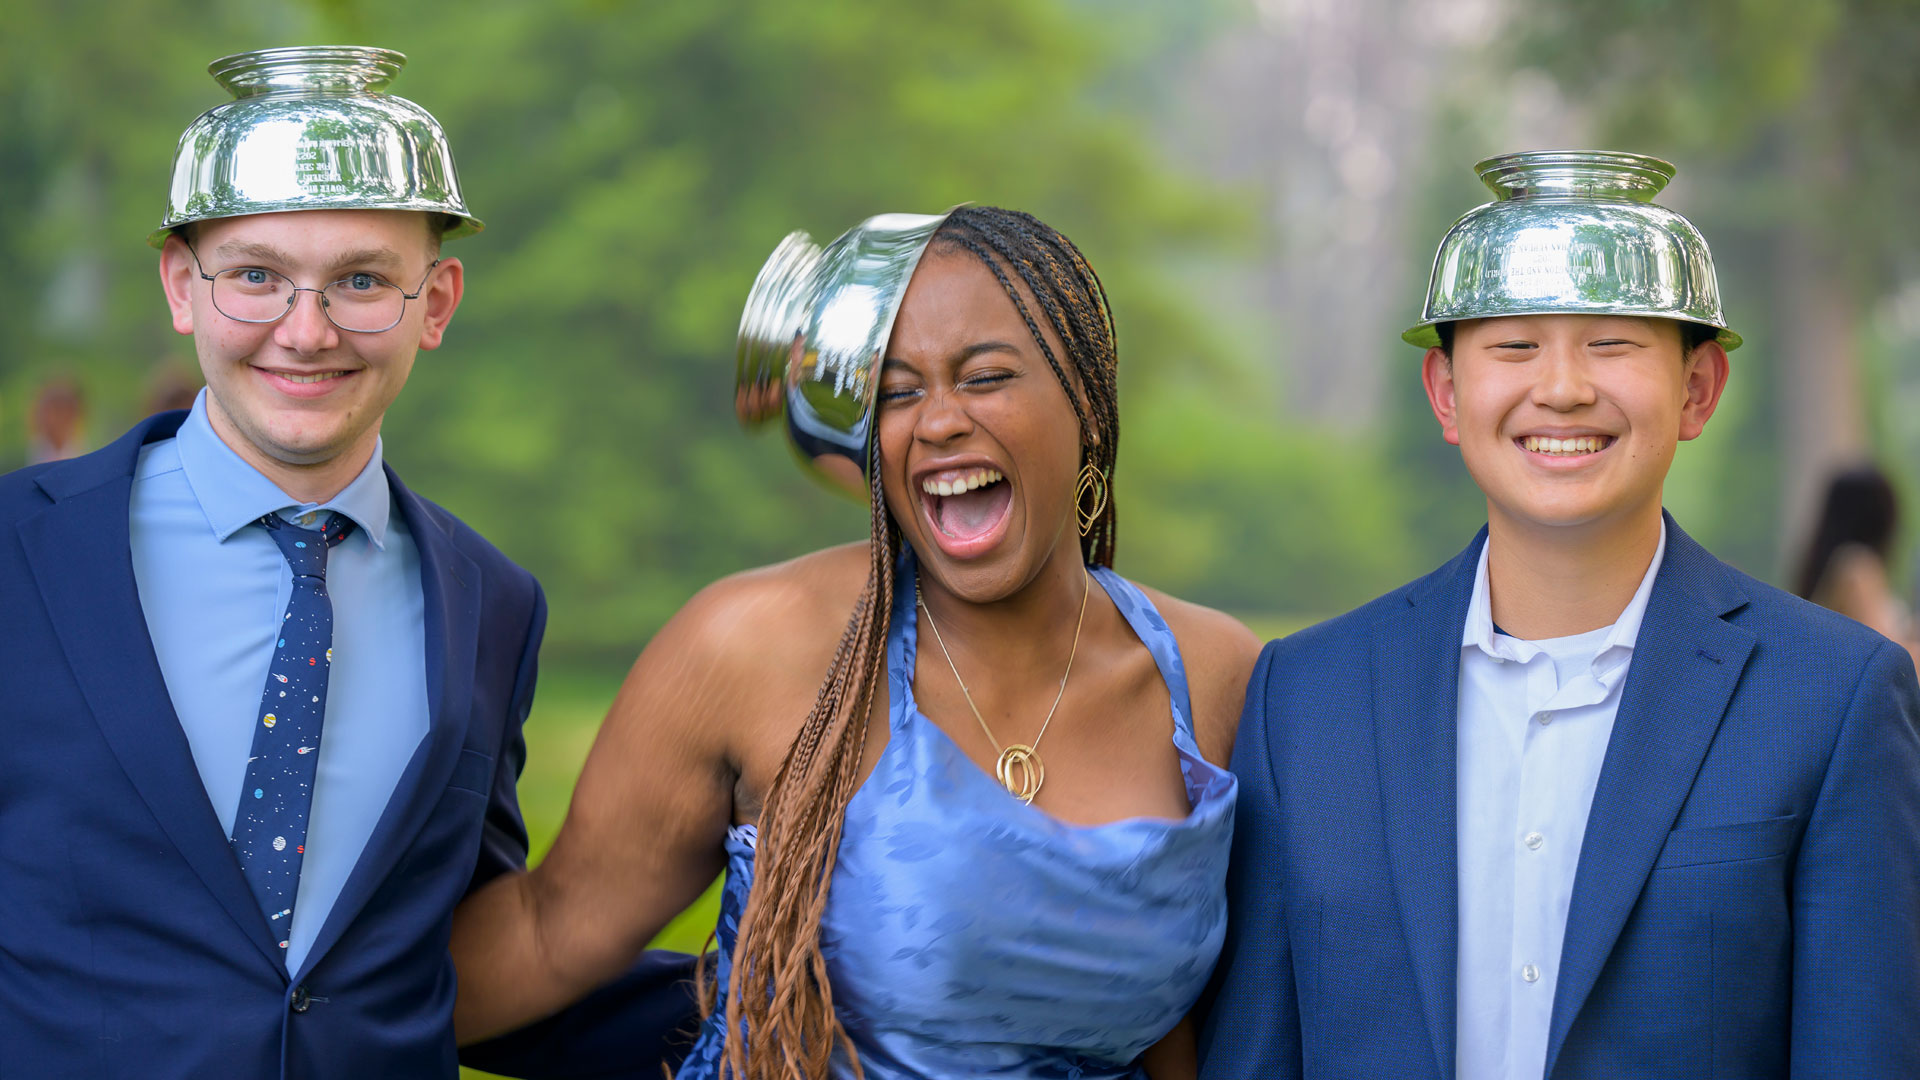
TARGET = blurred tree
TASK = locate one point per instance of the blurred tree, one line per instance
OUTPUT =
(635, 164)
(1800, 113)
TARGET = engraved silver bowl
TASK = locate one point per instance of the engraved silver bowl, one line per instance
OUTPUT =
(312, 128)
(1572, 232)
(814, 332)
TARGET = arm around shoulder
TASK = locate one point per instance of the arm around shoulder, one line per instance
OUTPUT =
(643, 835)
(1856, 895)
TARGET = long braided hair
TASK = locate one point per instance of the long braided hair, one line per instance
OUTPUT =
(779, 1008)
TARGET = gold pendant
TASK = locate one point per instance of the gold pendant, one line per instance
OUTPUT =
(1020, 771)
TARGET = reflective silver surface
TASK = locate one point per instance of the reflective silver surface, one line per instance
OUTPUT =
(1572, 232)
(814, 332)
(312, 129)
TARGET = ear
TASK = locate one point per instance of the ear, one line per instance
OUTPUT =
(448, 285)
(1436, 373)
(177, 277)
(1706, 379)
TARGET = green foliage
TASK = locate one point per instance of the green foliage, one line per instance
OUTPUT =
(635, 164)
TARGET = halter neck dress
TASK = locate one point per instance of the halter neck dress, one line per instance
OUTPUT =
(969, 934)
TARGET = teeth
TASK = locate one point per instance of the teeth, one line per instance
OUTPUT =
(964, 482)
(321, 377)
(1584, 444)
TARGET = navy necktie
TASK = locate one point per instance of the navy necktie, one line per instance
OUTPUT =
(270, 828)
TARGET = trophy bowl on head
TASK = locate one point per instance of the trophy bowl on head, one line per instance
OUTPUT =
(312, 128)
(1572, 232)
(814, 333)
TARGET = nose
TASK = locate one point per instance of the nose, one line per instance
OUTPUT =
(306, 330)
(942, 419)
(1564, 383)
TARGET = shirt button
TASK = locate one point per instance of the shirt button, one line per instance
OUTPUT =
(299, 1001)
(306, 519)
(1545, 717)
(1534, 840)
(1530, 973)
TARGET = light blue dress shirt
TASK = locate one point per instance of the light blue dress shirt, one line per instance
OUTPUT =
(1535, 719)
(213, 588)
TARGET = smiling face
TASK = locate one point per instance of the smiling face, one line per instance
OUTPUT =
(300, 392)
(979, 445)
(1568, 421)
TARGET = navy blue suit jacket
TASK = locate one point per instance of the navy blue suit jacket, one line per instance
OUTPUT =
(130, 944)
(1747, 904)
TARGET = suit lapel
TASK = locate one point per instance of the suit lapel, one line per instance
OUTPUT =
(1417, 654)
(450, 587)
(1686, 663)
(81, 559)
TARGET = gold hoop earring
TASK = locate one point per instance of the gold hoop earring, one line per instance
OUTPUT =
(1094, 481)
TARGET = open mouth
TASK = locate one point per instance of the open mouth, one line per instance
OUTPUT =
(966, 506)
(1571, 446)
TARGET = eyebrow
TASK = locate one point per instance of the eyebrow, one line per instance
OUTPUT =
(962, 356)
(248, 249)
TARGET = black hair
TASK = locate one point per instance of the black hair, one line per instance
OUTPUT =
(1692, 336)
(1018, 246)
(1861, 508)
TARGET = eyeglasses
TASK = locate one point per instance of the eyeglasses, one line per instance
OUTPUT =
(361, 303)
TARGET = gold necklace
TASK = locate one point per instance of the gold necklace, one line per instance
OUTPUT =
(1019, 768)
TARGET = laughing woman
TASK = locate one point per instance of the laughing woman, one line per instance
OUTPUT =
(912, 889)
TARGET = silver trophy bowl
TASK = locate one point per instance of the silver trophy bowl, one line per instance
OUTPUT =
(312, 128)
(813, 335)
(1572, 232)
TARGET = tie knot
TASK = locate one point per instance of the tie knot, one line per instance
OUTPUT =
(306, 549)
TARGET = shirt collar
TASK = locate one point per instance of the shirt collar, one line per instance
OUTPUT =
(1618, 643)
(234, 494)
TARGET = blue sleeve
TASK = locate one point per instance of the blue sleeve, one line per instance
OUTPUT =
(1856, 890)
(627, 1028)
(1250, 1016)
(503, 839)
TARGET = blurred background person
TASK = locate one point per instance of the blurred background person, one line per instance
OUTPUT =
(1845, 567)
(169, 388)
(57, 428)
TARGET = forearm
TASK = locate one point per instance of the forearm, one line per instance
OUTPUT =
(515, 961)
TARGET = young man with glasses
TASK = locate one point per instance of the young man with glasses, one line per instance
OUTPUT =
(264, 704)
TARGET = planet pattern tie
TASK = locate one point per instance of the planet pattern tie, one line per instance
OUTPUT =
(270, 829)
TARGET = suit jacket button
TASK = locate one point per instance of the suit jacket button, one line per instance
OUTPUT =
(299, 1001)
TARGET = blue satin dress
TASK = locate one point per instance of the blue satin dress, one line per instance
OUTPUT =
(969, 934)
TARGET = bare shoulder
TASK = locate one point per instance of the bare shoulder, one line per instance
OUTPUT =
(1219, 653)
(772, 619)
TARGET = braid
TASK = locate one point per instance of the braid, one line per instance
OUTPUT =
(779, 1008)
(1074, 302)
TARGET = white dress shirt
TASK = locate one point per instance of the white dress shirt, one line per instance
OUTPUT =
(1535, 718)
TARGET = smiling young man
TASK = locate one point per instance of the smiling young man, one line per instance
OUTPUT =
(264, 703)
(1585, 802)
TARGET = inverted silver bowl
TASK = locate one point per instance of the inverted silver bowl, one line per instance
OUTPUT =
(1572, 232)
(814, 332)
(312, 129)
